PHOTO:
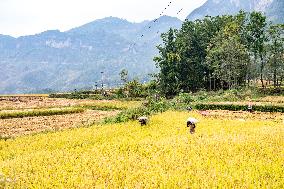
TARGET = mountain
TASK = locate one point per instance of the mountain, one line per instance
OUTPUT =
(274, 9)
(74, 59)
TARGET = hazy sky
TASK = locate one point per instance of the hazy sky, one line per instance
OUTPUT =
(24, 17)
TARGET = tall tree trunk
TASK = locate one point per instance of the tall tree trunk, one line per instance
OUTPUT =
(274, 78)
(261, 70)
(214, 83)
(248, 72)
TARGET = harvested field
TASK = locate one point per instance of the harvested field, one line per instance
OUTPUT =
(29, 125)
(35, 102)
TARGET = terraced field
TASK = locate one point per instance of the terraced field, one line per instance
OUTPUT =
(23, 115)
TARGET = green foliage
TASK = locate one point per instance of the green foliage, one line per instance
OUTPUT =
(120, 93)
(185, 98)
(150, 107)
(124, 75)
(74, 95)
(168, 64)
(221, 52)
(276, 54)
(134, 88)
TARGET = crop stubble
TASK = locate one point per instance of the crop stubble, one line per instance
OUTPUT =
(29, 125)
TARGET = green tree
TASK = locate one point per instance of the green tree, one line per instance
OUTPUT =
(167, 62)
(276, 52)
(227, 56)
(124, 75)
(228, 60)
(134, 88)
(257, 37)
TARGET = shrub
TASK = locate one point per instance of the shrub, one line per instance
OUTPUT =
(185, 98)
(151, 106)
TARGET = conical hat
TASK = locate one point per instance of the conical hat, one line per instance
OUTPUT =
(192, 120)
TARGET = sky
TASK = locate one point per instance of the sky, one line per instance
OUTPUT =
(28, 17)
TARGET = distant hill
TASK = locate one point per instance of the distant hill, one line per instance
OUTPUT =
(75, 59)
(274, 9)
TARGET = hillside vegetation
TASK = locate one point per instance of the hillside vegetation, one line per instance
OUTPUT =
(221, 52)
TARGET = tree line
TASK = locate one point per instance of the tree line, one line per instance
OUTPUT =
(221, 52)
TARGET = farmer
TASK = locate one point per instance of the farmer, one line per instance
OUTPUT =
(143, 120)
(191, 123)
(250, 107)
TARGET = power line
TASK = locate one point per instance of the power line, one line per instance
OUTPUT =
(154, 22)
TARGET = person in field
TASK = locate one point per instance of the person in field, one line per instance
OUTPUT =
(143, 120)
(250, 107)
(191, 123)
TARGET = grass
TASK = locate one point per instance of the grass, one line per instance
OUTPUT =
(224, 153)
(41, 112)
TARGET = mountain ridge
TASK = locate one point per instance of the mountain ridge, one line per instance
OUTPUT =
(274, 9)
(63, 61)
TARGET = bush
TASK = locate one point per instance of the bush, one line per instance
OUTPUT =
(151, 106)
(185, 98)
(75, 95)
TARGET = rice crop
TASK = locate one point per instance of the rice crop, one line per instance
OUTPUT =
(225, 152)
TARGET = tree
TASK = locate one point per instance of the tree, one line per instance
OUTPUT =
(228, 57)
(256, 29)
(124, 75)
(228, 60)
(134, 88)
(229, 49)
(276, 52)
(167, 62)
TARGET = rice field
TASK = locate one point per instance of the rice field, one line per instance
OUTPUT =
(227, 151)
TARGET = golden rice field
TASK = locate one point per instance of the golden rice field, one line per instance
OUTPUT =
(225, 152)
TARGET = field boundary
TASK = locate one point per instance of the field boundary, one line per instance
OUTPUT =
(236, 107)
(37, 113)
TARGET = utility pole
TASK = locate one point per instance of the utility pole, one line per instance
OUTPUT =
(96, 85)
(102, 80)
